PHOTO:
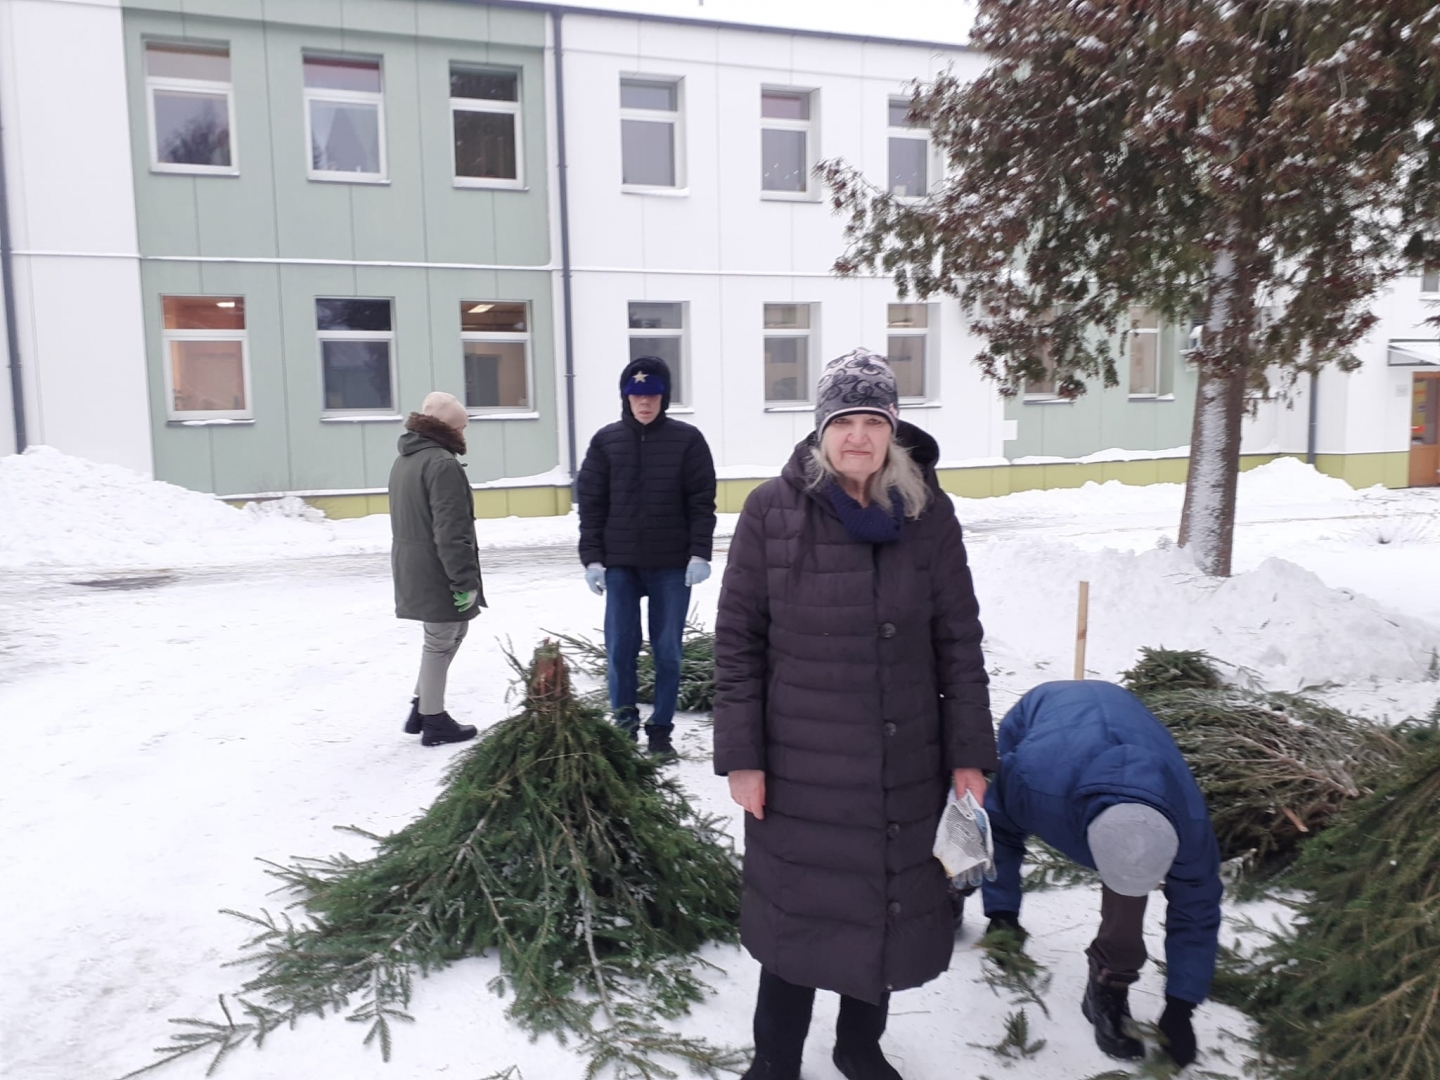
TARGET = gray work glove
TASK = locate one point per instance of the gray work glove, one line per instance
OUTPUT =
(696, 572)
(595, 578)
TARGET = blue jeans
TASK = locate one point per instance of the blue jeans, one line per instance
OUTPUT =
(669, 603)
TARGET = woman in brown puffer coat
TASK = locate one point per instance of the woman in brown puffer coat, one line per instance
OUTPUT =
(850, 693)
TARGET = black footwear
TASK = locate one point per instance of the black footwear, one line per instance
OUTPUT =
(628, 721)
(763, 1069)
(660, 745)
(412, 725)
(1107, 1006)
(439, 728)
(864, 1063)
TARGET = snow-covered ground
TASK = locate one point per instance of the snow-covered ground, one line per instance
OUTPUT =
(188, 687)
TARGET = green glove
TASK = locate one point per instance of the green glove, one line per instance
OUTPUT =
(464, 601)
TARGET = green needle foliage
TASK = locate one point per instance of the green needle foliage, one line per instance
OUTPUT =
(554, 843)
(1352, 990)
(1016, 1044)
(1008, 968)
(697, 666)
(1273, 767)
(1171, 669)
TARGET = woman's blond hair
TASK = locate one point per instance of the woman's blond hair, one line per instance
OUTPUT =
(899, 475)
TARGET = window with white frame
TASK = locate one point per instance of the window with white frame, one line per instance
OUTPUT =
(344, 118)
(787, 353)
(1430, 279)
(192, 108)
(207, 363)
(659, 330)
(786, 149)
(357, 355)
(650, 133)
(485, 118)
(495, 336)
(907, 348)
(910, 154)
(1144, 345)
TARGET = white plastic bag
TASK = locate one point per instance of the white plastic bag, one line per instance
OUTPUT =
(963, 843)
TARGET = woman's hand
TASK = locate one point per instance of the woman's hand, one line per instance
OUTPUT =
(747, 787)
(971, 780)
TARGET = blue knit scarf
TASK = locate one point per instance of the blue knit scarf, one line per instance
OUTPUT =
(867, 524)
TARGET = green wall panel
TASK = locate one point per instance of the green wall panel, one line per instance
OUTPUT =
(378, 17)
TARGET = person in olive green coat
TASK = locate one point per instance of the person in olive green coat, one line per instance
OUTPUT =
(433, 555)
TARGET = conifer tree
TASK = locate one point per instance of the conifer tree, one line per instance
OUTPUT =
(1264, 167)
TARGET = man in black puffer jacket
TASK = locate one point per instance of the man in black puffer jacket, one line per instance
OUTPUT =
(647, 520)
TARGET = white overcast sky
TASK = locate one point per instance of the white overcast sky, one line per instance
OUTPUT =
(943, 21)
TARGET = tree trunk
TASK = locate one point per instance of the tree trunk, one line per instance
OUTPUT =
(1207, 523)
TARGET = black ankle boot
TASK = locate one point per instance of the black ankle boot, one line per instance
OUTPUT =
(412, 725)
(659, 744)
(863, 1063)
(439, 728)
(1107, 1006)
(762, 1068)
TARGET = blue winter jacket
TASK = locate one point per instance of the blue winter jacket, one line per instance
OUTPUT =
(1069, 750)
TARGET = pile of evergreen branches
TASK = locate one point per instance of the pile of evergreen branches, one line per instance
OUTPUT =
(1352, 990)
(697, 666)
(553, 843)
(1273, 767)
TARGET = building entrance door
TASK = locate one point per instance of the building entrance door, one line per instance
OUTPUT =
(1425, 430)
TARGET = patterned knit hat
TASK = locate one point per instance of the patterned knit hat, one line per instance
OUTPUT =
(859, 381)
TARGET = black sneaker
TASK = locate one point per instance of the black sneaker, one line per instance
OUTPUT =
(1107, 1006)
(412, 725)
(440, 728)
(866, 1063)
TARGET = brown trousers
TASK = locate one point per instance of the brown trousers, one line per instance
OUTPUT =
(1118, 952)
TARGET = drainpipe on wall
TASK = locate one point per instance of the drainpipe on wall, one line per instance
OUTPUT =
(7, 285)
(562, 169)
(1314, 418)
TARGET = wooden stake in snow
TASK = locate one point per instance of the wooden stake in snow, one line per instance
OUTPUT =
(1082, 629)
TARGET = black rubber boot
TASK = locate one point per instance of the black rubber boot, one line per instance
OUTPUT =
(439, 728)
(1107, 1006)
(864, 1064)
(412, 725)
(857, 1040)
(660, 745)
(762, 1068)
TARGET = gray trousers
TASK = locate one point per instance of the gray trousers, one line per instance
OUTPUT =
(442, 642)
(1118, 952)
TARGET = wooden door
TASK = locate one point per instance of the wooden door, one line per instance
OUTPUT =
(1425, 430)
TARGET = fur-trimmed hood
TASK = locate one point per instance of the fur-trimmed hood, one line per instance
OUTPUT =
(421, 429)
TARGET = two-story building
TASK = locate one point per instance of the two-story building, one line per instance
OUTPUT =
(247, 236)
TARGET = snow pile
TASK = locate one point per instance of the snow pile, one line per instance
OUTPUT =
(1279, 620)
(59, 510)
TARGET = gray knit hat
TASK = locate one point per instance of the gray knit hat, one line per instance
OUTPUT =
(859, 381)
(1134, 846)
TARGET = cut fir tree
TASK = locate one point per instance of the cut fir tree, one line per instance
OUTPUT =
(553, 843)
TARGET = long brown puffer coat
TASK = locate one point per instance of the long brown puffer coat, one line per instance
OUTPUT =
(851, 673)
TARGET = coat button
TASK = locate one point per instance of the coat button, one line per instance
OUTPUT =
(887, 629)
(893, 830)
(894, 908)
(889, 729)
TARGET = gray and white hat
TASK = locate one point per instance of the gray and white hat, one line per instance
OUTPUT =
(859, 381)
(1134, 846)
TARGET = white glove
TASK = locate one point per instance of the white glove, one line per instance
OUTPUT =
(963, 843)
(595, 578)
(696, 572)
